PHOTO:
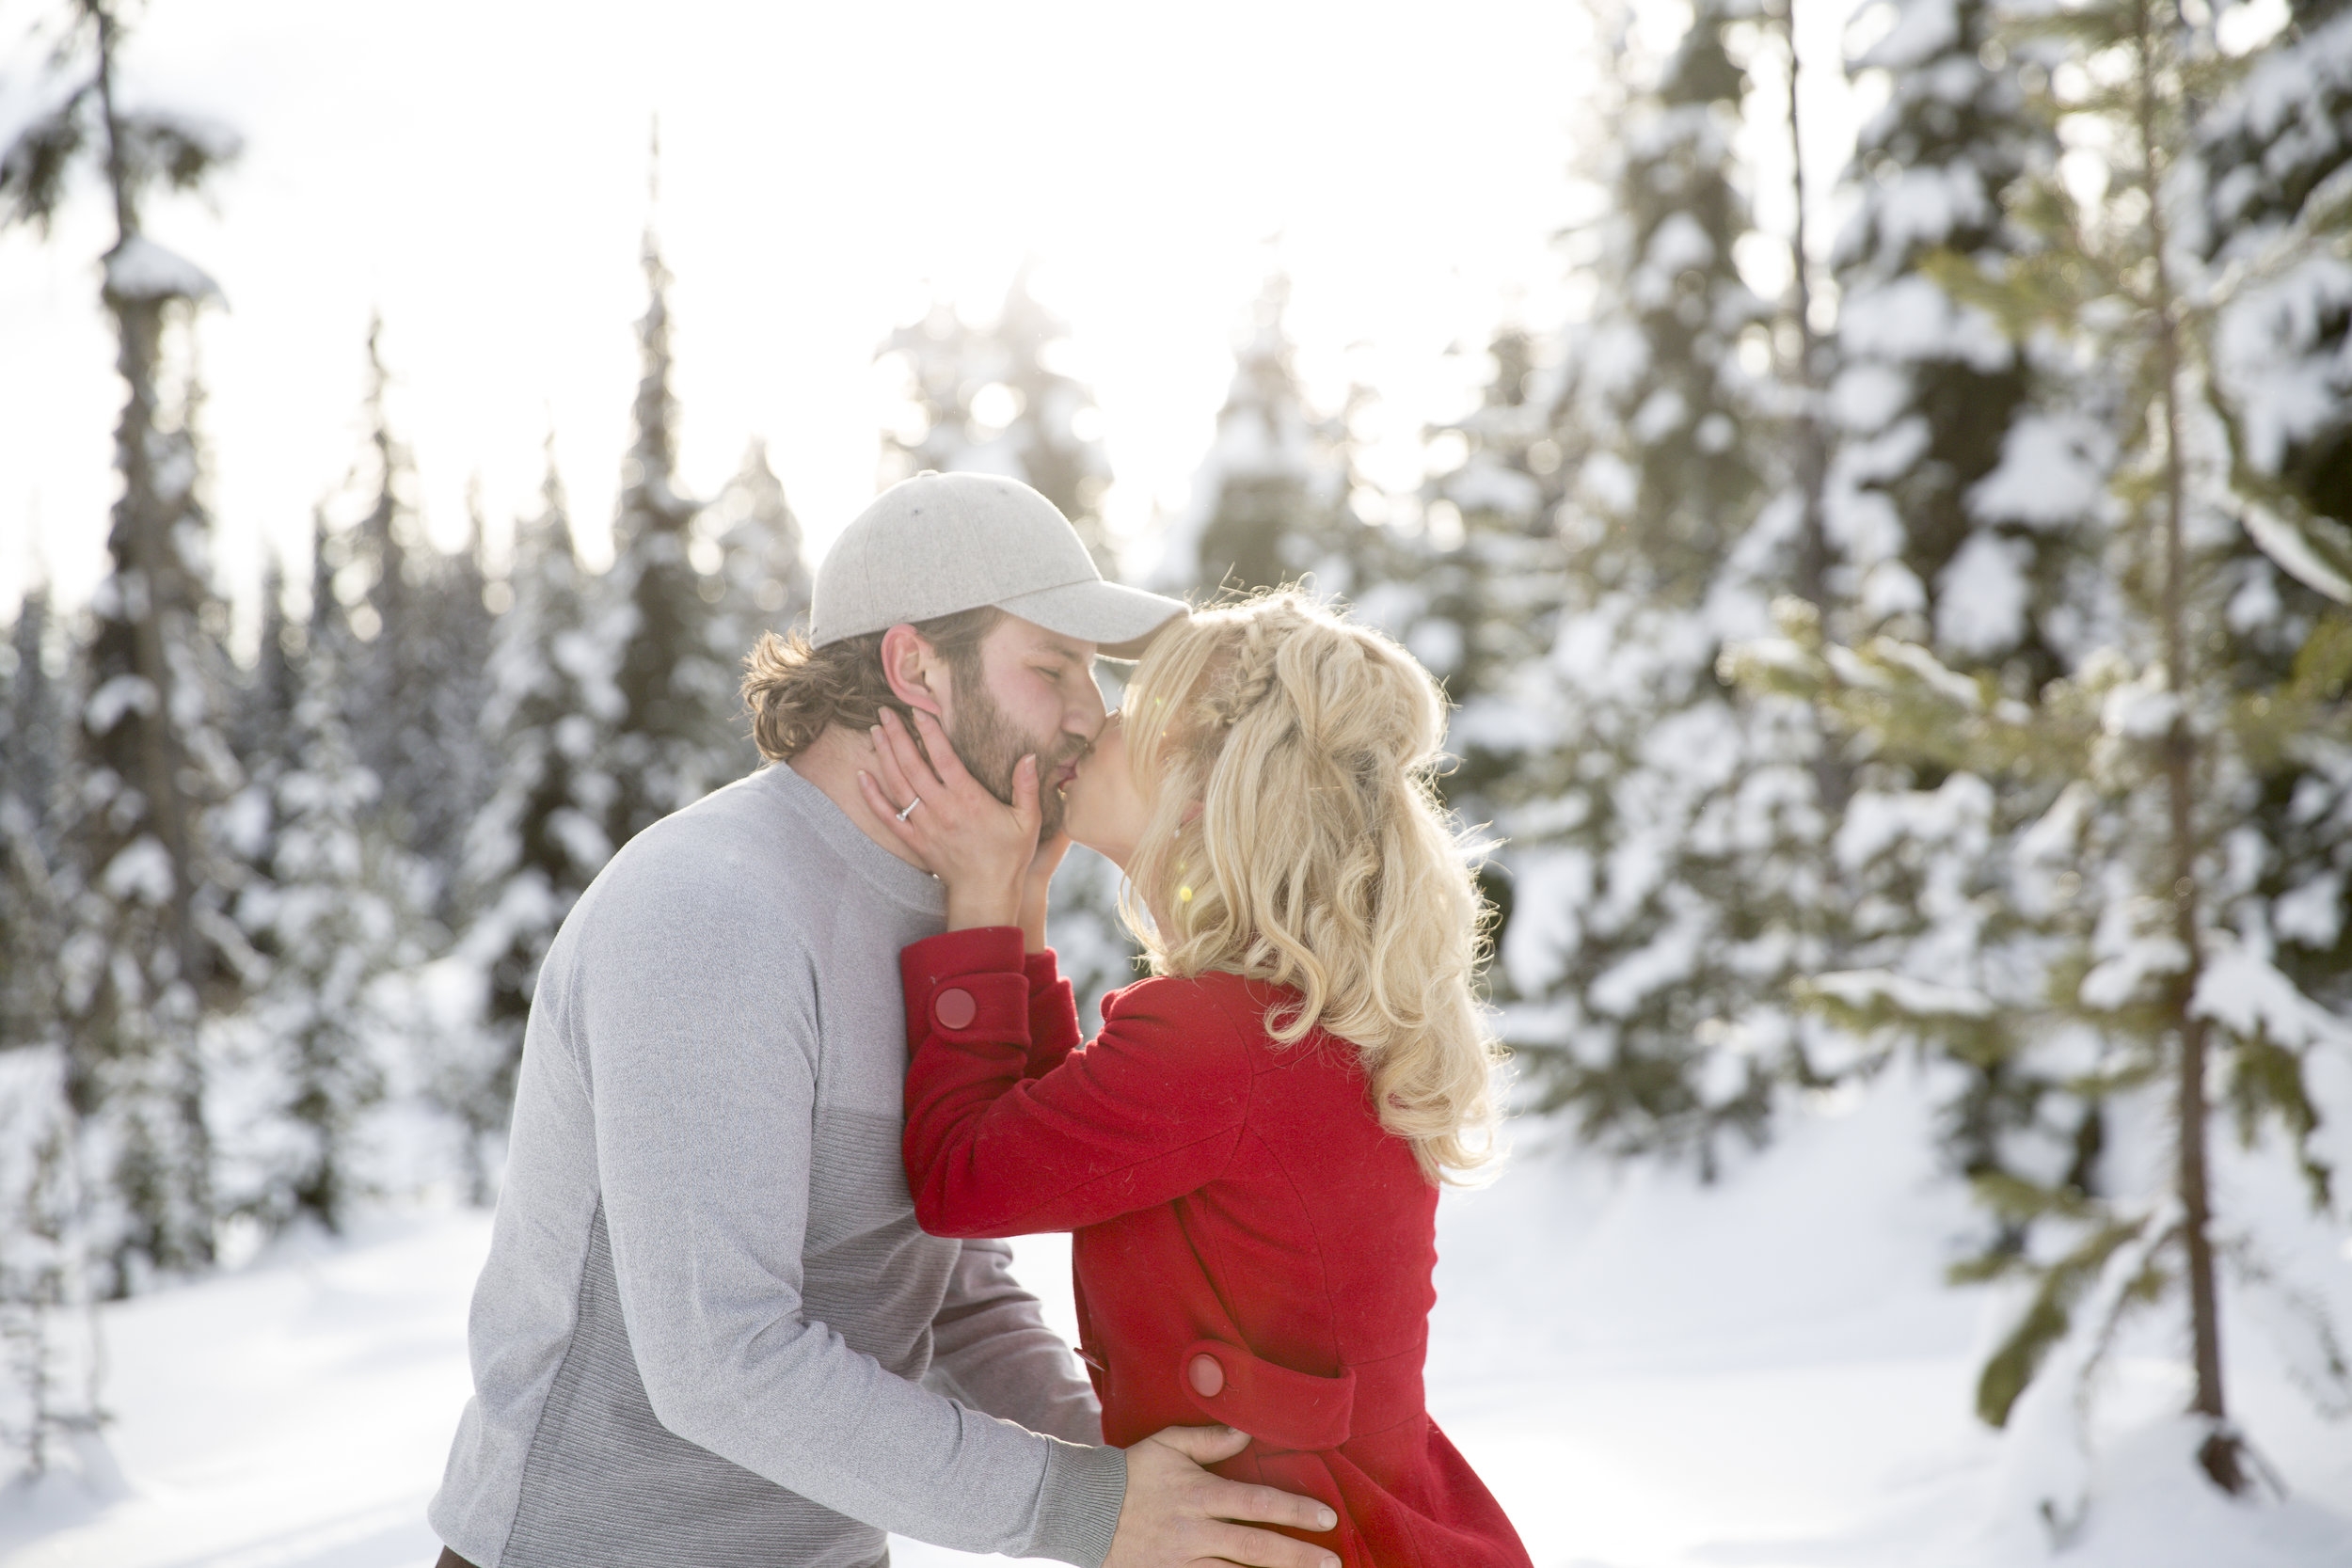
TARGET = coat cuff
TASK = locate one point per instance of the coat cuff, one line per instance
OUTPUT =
(967, 985)
(1077, 1512)
(1054, 1031)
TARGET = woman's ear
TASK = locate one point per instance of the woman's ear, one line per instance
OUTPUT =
(910, 665)
(1191, 813)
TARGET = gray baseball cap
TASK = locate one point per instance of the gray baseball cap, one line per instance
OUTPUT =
(937, 544)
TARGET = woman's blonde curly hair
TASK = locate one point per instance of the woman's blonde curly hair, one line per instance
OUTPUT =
(1320, 858)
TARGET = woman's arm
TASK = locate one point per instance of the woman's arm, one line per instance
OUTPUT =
(1149, 1111)
(1054, 1028)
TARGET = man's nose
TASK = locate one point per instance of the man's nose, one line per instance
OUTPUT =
(1086, 716)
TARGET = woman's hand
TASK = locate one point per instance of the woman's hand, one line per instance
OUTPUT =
(982, 848)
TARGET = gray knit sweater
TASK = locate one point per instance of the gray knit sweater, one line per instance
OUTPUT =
(709, 1331)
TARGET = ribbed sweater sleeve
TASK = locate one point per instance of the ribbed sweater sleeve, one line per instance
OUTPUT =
(697, 1041)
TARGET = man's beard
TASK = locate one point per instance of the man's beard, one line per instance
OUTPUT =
(989, 747)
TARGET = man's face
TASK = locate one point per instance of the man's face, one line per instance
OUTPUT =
(1026, 690)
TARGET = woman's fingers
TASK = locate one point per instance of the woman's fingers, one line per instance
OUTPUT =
(943, 755)
(877, 801)
(900, 746)
(896, 792)
(1024, 807)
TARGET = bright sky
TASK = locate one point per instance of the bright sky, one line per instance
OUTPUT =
(478, 172)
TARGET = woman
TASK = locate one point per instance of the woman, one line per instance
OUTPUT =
(1248, 1154)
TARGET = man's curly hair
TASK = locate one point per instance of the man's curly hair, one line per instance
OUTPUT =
(796, 692)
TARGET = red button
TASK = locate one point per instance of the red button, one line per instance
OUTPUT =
(1208, 1376)
(955, 1008)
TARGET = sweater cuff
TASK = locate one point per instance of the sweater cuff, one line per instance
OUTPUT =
(1077, 1511)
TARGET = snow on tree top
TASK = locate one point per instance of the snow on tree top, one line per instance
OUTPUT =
(2053, 470)
(139, 268)
(1860, 988)
(1922, 30)
(1912, 318)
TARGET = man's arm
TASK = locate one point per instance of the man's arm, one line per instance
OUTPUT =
(991, 1347)
(698, 1038)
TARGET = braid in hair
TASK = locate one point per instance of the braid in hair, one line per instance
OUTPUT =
(1253, 674)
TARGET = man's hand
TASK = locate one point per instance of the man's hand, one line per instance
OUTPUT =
(1178, 1513)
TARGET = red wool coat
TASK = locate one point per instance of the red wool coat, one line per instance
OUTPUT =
(1251, 1246)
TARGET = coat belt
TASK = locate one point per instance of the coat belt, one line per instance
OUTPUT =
(1285, 1408)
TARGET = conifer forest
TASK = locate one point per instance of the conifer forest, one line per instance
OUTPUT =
(1914, 658)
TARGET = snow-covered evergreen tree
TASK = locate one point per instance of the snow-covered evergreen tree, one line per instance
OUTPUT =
(48, 1327)
(450, 652)
(2272, 160)
(542, 837)
(47, 1387)
(35, 742)
(1940, 497)
(2133, 855)
(1666, 839)
(1489, 574)
(294, 1074)
(676, 738)
(266, 702)
(999, 399)
(764, 581)
(408, 630)
(1267, 499)
(1964, 505)
(151, 949)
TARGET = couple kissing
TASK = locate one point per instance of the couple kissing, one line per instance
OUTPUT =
(800, 1058)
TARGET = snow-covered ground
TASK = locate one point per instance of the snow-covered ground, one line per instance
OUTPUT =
(1651, 1374)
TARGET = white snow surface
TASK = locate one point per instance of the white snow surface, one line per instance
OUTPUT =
(1649, 1372)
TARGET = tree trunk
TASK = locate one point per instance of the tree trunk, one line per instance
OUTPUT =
(1833, 780)
(2220, 1454)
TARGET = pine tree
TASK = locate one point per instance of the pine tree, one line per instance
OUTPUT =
(1492, 580)
(1267, 498)
(34, 748)
(49, 1391)
(675, 739)
(997, 399)
(151, 950)
(408, 632)
(266, 702)
(1935, 498)
(1952, 528)
(1666, 840)
(763, 582)
(450, 654)
(2270, 161)
(2152, 908)
(48, 1330)
(299, 1067)
(535, 845)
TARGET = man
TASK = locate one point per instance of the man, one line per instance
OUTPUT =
(709, 1331)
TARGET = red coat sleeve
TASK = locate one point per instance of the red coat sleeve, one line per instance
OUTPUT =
(1053, 1013)
(1148, 1111)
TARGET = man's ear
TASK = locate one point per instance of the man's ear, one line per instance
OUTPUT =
(917, 675)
